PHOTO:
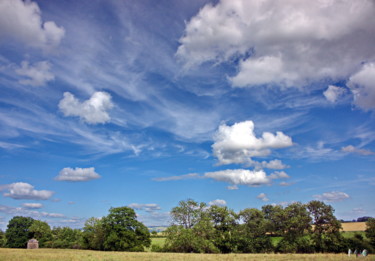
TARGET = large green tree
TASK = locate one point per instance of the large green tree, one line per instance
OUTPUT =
(18, 233)
(275, 216)
(123, 232)
(93, 234)
(42, 232)
(188, 213)
(326, 228)
(66, 237)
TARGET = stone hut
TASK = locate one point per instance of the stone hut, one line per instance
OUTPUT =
(33, 244)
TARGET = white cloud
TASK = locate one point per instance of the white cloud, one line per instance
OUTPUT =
(334, 196)
(285, 184)
(240, 177)
(362, 85)
(352, 149)
(333, 93)
(38, 74)
(217, 202)
(290, 43)
(27, 212)
(238, 143)
(77, 174)
(21, 21)
(21, 190)
(279, 175)
(233, 187)
(92, 111)
(181, 177)
(263, 197)
(146, 207)
(32, 205)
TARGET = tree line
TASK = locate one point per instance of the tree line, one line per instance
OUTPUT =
(199, 228)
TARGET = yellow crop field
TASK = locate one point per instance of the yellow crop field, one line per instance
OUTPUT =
(88, 255)
(353, 226)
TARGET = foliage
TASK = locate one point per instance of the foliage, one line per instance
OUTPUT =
(326, 232)
(17, 233)
(275, 217)
(2, 238)
(41, 231)
(93, 234)
(187, 213)
(123, 232)
(370, 231)
(66, 237)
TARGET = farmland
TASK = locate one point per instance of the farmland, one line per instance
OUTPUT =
(89, 255)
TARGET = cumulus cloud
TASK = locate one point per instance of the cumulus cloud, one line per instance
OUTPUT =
(22, 21)
(263, 197)
(37, 75)
(21, 190)
(240, 177)
(181, 177)
(238, 144)
(334, 196)
(77, 174)
(218, 202)
(289, 43)
(362, 85)
(32, 205)
(333, 93)
(146, 207)
(92, 111)
(352, 149)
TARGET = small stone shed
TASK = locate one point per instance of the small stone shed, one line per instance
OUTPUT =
(33, 244)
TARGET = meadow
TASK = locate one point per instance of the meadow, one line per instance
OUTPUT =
(7, 254)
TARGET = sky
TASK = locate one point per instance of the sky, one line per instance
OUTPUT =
(238, 103)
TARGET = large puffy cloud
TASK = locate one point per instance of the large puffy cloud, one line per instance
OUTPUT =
(238, 144)
(93, 110)
(37, 75)
(240, 177)
(77, 174)
(334, 196)
(21, 21)
(362, 85)
(290, 43)
(21, 190)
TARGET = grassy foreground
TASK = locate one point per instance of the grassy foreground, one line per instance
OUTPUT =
(7, 254)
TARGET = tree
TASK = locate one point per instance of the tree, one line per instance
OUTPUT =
(17, 233)
(326, 231)
(42, 232)
(2, 238)
(66, 237)
(224, 222)
(296, 226)
(187, 213)
(123, 232)
(275, 217)
(93, 234)
(370, 231)
(252, 236)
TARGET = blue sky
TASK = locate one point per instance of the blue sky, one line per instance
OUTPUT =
(146, 103)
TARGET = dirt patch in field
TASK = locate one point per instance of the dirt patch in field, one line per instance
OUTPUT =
(353, 226)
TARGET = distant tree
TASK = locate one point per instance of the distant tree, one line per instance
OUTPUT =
(17, 233)
(370, 231)
(252, 234)
(326, 231)
(42, 232)
(93, 234)
(363, 219)
(187, 213)
(123, 232)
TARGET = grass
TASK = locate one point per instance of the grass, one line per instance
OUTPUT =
(159, 241)
(7, 254)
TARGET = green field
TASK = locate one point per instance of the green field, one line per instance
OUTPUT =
(7, 254)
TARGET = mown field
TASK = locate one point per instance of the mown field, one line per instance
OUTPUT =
(7, 254)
